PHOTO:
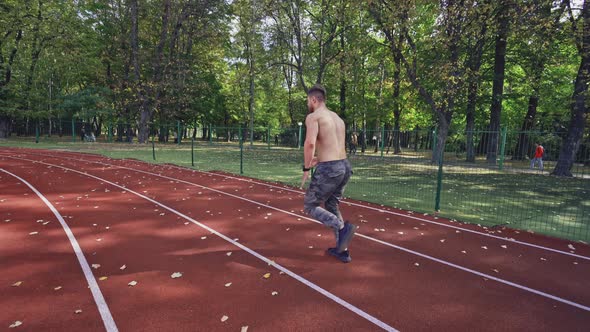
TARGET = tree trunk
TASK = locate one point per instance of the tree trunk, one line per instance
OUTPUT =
(498, 84)
(442, 134)
(474, 64)
(470, 119)
(522, 144)
(570, 145)
(538, 59)
(5, 121)
(134, 36)
(251, 91)
(36, 49)
(396, 98)
(342, 81)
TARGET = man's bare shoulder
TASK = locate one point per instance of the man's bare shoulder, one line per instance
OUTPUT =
(311, 117)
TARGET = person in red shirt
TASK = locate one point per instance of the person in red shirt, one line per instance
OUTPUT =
(538, 157)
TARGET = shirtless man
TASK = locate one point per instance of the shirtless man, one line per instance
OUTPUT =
(326, 137)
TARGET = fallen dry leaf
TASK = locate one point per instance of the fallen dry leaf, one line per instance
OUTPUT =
(132, 283)
(228, 284)
(224, 318)
(244, 329)
(123, 267)
(275, 293)
(266, 275)
(57, 288)
(176, 275)
(33, 233)
(103, 278)
(203, 237)
(79, 311)
(16, 284)
(95, 266)
(16, 324)
(571, 247)
(228, 253)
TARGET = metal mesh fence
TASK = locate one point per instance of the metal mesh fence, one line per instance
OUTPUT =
(390, 168)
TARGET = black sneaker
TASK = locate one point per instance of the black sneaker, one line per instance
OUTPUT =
(344, 256)
(345, 235)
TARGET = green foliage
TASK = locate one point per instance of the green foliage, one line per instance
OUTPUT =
(83, 65)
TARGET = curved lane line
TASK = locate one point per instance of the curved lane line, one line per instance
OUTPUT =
(297, 277)
(103, 308)
(462, 268)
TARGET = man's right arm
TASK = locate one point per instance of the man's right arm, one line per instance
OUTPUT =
(311, 134)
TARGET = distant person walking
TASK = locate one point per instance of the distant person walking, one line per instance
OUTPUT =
(353, 143)
(326, 136)
(538, 157)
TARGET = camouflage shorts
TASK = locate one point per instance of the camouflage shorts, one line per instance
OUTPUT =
(327, 185)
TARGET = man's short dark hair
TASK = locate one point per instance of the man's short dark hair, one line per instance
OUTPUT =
(317, 91)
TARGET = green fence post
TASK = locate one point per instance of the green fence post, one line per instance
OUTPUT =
(153, 145)
(193, 150)
(299, 137)
(37, 132)
(73, 131)
(382, 139)
(502, 148)
(268, 137)
(241, 152)
(210, 135)
(434, 138)
(178, 134)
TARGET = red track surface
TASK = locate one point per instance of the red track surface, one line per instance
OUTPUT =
(395, 280)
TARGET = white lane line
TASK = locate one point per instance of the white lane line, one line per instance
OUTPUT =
(297, 277)
(400, 215)
(462, 268)
(362, 206)
(103, 308)
(506, 282)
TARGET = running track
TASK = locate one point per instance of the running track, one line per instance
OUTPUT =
(410, 272)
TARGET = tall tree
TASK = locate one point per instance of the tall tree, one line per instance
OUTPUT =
(452, 23)
(9, 48)
(503, 18)
(476, 39)
(542, 25)
(580, 25)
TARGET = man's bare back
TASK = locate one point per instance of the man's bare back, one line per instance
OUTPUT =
(330, 134)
